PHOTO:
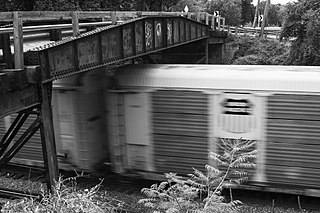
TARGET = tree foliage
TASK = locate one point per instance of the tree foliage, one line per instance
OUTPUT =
(231, 10)
(247, 11)
(275, 15)
(16, 5)
(86, 5)
(302, 24)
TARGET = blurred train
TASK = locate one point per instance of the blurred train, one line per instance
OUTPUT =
(79, 124)
(152, 119)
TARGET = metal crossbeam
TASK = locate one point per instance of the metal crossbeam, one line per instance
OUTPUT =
(116, 43)
(8, 138)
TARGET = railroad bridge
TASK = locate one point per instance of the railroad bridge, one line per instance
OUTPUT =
(121, 37)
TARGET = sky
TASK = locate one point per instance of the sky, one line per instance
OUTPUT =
(275, 1)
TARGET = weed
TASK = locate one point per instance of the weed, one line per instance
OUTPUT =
(64, 198)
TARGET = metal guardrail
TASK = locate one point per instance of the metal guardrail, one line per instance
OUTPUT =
(38, 28)
(107, 18)
(271, 33)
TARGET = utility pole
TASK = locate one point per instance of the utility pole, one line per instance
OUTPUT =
(256, 15)
(265, 18)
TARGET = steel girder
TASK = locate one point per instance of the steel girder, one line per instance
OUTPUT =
(116, 43)
(15, 101)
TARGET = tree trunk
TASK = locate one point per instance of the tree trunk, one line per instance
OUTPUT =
(265, 18)
(256, 15)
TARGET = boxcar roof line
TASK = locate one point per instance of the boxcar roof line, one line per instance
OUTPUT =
(233, 77)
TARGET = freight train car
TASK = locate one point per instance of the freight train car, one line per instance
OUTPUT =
(79, 123)
(164, 118)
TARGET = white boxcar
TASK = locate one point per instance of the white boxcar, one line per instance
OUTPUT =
(164, 118)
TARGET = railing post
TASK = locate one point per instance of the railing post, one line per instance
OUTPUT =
(207, 18)
(18, 40)
(213, 22)
(219, 23)
(198, 16)
(228, 28)
(266, 33)
(237, 30)
(6, 50)
(75, 23)
(223, 23)
(113, 18)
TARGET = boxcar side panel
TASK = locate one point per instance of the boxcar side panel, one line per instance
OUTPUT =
(293, 147)
(180, 130)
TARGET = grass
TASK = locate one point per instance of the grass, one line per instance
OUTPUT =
(116, 195)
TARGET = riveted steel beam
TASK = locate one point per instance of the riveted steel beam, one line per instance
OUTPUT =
(116, 43)
(15, 101)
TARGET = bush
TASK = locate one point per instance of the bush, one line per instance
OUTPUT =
(201, 193)
(257, 51)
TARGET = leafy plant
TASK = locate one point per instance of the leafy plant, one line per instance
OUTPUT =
(202, 192)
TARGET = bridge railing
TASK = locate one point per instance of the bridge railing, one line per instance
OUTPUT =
(251, 31)
(19, 33)
(106, 17)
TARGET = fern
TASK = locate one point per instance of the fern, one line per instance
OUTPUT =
(201, 193)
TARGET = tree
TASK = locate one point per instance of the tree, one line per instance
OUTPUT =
(265, 18)
(274, 17)
(231, 10)
(247, 11)
(302, 24)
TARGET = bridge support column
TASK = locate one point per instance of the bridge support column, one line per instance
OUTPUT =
(220, 49)
(6, 50)
(47, 136)
(207, 51)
